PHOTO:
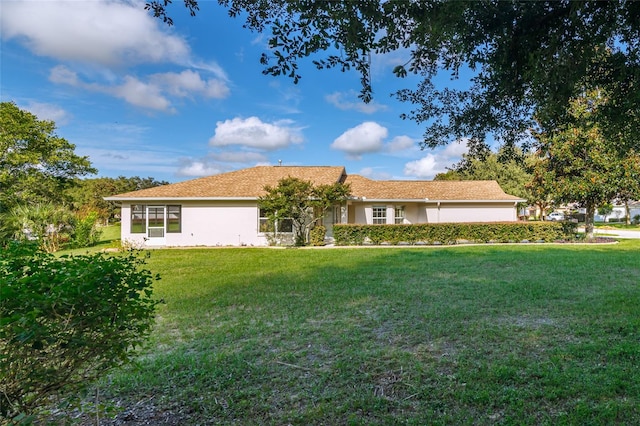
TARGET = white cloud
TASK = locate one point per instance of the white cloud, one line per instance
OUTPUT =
(424, 168)
(63, 75)
(373, 173)
(350, 101)
(153, 94)
(197, 168)
(102, 32)
(46, 111)
(219, 162)
(365, 138)
(189, 82)
(103, 37)
(436, 162)
(253, 133)
(139, 94)
(401, 144)
(456, 149)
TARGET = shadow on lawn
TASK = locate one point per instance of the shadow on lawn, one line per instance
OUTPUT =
(457, 335)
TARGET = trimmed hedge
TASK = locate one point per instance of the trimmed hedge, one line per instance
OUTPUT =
(453, 233)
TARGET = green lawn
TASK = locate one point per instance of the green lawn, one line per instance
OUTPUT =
(110, 233)
(453, 335)
(618, 226)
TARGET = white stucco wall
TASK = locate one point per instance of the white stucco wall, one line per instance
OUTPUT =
(235, 223)
(472, 212)
(443, 213)
(206, 223)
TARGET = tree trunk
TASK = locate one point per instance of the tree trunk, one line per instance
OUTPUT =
(627, 212)
(588, 220)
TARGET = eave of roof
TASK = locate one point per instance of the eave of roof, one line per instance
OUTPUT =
(117, 198)
(430, 201)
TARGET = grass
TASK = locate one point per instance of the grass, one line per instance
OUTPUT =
(610, 225)
(110, 233)
(460, 335)
(109, 239)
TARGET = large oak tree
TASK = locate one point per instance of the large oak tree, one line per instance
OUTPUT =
(579, 164)
(526, 57)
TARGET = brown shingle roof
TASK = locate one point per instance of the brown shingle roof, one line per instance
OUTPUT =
(250, 183)
(432, 190)
(245, 183)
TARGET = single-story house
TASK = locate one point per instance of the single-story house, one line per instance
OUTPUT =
(619, 211)
(223, 210)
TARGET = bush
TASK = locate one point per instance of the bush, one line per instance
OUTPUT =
(317, 235)
(65, 320)
(453, 233)
(85, 230)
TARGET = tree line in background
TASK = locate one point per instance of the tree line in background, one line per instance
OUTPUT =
(44, 195)
(573, 163)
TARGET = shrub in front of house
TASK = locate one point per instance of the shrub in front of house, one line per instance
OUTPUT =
(316, 235)
(454, 233)
(65, 320)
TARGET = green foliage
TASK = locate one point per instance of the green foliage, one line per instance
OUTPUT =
(52, 227)
(525, 57)
(453, 233)
(65, 320)
(47, 224)
(290, 200)
(85, 230)
(605, 210)
(511, 173)
(88, 194)
(301, 202)
(579, 164)
(36, 165)
(317, 234)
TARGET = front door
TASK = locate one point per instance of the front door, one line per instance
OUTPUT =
(156, 225)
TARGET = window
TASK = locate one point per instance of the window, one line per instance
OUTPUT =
(284, 225)
(280, 225)
(399, 215)
(379, 215)
(157, 218)
(264, 224)
(138, 219)
(174, 219)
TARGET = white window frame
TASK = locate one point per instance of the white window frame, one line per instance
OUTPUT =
(264, 220)
(399, 215)
(140, 216)
(379, 215)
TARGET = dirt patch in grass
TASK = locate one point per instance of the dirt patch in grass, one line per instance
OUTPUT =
(143, 412)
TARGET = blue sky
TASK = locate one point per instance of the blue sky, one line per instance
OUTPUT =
(174, 103)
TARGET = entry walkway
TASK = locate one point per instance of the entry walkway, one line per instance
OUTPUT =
(618, 233)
